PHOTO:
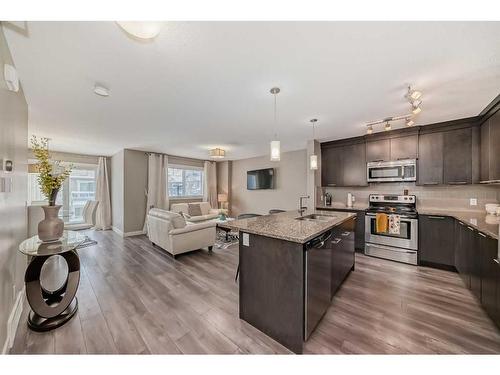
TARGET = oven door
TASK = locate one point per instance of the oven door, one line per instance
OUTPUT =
(406, 239)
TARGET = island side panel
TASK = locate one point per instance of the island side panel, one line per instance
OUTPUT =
(272, 288)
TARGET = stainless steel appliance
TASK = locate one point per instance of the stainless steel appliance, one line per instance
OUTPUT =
(317, 280)
(392, 171)
(402, 247)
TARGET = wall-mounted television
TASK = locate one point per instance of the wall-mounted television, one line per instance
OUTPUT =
(260, 179)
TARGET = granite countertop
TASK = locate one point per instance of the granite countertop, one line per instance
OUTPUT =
(487, 224)
(284, 226)
(342, 206)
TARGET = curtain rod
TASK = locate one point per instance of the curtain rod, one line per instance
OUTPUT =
(174, 156)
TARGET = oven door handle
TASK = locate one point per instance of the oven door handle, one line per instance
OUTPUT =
(392, 248)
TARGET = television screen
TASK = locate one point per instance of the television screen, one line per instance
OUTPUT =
(260, 179)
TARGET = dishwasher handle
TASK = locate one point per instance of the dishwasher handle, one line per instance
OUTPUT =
(319, 242)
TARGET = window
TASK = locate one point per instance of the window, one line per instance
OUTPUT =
(78, 188)
(185, 182)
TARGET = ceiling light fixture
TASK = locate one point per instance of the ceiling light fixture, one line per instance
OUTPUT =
(313, 160)
(141, 29)
(387, 126)
(101, 90)
(275, 144)
(409, 122)
(413, 94)
(217, 153)
(369, 129)
(416, 110)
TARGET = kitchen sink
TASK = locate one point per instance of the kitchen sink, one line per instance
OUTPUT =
(316, 217)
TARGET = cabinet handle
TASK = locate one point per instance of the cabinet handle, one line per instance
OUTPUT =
(375, 161)
(336, 241)
(482, 235)
(470, 228)
(457, 182)
(431, 183)
(496, 261)
(345, 234)
(437, 217)
(489, 182)
(331, 184)
(461, 223)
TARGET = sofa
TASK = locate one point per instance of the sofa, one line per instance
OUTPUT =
(207, 212)
(170, 231)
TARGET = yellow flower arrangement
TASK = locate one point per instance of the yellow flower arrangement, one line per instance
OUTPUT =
(51, 173)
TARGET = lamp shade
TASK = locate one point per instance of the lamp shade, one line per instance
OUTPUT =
(313, 162)
(221, 198)
(275, 150)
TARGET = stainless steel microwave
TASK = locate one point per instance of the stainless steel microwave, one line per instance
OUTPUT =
(392, 171)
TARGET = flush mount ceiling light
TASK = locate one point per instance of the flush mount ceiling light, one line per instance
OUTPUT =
(217, 153)
(101, 90)
(313, 160)
(275, 144)
(142, 29)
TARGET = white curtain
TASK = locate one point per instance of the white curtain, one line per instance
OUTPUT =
(102, 195)
(210, 183)
(157, 184)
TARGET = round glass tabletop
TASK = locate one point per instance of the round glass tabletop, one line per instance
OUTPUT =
(35, 247)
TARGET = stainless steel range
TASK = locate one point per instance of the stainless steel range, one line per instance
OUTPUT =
(402, 246)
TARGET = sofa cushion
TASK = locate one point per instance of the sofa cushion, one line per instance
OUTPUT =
(194, 209)
(176, 220)
(179, 207)
(197, 219)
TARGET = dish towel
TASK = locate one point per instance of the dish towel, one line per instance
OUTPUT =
(381, 223)
(394, 224)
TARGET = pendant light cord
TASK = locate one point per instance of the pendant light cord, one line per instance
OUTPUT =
(275, 118)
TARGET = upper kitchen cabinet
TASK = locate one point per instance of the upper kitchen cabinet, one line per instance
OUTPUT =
(430, 159)
(457, 156)
(405, 147)
(397, 147)
(378, 150)
(490, 145)
(354, 165)
(331, 166)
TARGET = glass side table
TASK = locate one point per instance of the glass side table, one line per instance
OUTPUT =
(51, 309)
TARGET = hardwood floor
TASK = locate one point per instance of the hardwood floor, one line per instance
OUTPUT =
(133, 298)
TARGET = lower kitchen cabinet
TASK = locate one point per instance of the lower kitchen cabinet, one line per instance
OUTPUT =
(463, 244)
(490, 277)
(436, 249)
(342, 253)
(359, 232)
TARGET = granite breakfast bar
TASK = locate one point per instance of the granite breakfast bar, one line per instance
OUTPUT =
(291, 265)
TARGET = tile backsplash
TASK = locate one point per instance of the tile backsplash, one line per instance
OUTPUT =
(444, 197)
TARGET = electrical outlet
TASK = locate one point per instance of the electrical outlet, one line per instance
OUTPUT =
(473, 201)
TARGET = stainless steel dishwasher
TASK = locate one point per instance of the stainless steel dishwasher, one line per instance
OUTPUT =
(318, 276)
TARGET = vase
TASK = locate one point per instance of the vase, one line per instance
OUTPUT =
(51, 228)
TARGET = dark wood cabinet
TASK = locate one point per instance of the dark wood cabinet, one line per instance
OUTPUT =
(490, 277)
(463, 239)
(342, 253)
(436, 249)
(331, 166)
(404, 147)
(490, 144)
(344, 165)
(359, 231)
(430, 159)
(457, 156)
(378, 150)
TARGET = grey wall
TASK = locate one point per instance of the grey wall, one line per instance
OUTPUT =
(13, 222)
(117, 187)
(224, 177)
(291, 177)
(135, 184)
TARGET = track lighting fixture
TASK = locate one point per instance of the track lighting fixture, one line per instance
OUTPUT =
(409, 122)
(369, 130)
(387, 126)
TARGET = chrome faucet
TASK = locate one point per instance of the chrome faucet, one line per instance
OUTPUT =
(302, 208)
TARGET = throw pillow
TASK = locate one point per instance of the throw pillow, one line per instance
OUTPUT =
(185, 215)
(194, 209)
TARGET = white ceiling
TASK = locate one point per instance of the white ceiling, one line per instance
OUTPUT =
(204, 84)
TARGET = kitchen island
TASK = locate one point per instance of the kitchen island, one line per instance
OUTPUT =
(291, 266)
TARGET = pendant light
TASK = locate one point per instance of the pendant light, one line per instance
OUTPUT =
(313, 159)
(275, 144)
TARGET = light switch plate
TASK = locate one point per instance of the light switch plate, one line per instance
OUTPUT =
(246, 239)
(473, 201)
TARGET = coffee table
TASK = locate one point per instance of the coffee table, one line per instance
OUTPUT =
(221, 225)
(51, 308)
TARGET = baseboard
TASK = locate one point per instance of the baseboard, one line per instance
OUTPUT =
(13, 322)
(117, 231)
(136, 233)
(128, 234)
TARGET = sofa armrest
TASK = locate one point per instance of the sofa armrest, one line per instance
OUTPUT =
(213, 211)
(193, 227)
